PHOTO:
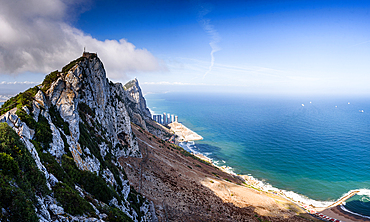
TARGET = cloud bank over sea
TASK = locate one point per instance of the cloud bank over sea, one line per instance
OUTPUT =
(37, 36)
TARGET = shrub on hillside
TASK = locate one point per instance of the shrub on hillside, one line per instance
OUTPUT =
(20, 179)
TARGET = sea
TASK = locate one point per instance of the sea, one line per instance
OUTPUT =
(314, 148)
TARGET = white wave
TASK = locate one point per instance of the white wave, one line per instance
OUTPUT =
(188, 146)
(228, 170)
(364, 192)
(306, 200)
(261, 184)
(345, 209)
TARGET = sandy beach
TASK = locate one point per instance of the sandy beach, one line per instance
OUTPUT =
(183, 133)
(332, 212)
(249, 191)
(185, 189)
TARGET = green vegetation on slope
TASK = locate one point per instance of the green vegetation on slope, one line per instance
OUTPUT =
(71, 201)
(43, 132)
(90, 138)
(91, 182)
(20, 100)
(64, 191)
(58, 120)
(49, 79)
(66, 68)
(20, 179)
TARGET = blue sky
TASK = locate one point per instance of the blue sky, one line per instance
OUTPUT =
(255, 47)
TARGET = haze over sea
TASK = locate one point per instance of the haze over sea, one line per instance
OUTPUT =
(315, 146)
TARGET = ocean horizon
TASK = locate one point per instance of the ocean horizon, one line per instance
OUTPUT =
(316, 147)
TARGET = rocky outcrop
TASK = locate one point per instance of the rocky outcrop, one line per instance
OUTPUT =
(88, 120)
(136, 104)
(86, 84)
(139, 113)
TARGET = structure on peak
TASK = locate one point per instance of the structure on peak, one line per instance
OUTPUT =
(89, 54)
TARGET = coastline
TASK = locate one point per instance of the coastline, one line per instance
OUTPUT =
(339, 213)
(198, 191)
(183, 133)
(228, 140)
(322, 211)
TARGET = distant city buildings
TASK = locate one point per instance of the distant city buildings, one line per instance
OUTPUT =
(157, 118)
(165, 118)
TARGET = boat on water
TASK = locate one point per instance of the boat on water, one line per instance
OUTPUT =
(361, 110)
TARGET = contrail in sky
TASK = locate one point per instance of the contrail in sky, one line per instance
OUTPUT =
(215, 38)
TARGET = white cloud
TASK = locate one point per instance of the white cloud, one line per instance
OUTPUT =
(21, 83)
(178, 84)
(215, 38)
(36, 37)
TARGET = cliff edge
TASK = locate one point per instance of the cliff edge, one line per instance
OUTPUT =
(78, 146)
(72, 128)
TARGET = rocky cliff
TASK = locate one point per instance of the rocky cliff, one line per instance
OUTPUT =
(136, 104)
(139, 113)
(73, 128)
(75, 148)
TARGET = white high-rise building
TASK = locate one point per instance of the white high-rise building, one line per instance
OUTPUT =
(176, 119)
(164, 118)
(172, 118)
(168, 118)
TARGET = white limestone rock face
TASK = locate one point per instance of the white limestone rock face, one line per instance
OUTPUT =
(25, 135)
(108, 177)
(43, 212)
(139, 113)
(57, 146)
(40, 99)
(136, 104)
(126, 187)
(92, 163)
(85, 84)
(57, 210)
(135, 95)
(147, 213)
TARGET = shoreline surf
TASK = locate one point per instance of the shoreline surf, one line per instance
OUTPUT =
(311, 206)
(301, 150)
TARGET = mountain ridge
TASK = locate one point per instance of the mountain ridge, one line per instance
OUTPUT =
(66, 145)
(76, 125)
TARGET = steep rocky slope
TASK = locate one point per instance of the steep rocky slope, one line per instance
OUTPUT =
(72, 128)
(139, 113)
(76, 147)
(185, 188)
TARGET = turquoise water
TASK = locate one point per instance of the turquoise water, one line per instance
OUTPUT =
(320, 150)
